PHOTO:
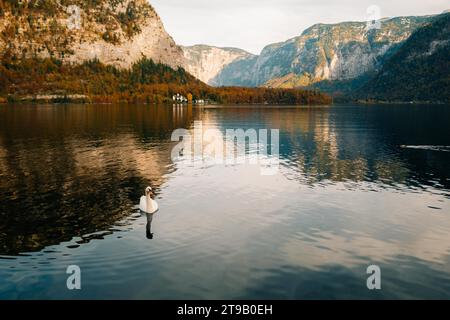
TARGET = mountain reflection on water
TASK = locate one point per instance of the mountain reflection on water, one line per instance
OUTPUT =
(73, 174)
(71, 171)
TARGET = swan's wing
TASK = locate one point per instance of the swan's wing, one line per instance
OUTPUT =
(143, 204)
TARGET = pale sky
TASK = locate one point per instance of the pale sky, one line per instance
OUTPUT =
(253, 24)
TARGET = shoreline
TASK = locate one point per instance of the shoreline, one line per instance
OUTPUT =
(83, 99)
(413, 103)
(43, 99)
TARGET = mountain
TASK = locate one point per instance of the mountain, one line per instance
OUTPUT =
(419, 70)
(116, 32)
(342, 51)
(111, 51)
(207, 62)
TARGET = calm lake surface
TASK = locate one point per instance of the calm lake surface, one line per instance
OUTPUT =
(357, 186)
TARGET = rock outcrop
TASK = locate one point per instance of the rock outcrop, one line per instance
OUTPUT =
(207, 62)
(418, 71)
(116, 32)
(340, 51)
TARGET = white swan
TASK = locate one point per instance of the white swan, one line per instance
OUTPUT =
(148, 205)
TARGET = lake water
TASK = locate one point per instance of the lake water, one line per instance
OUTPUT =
(356, 186)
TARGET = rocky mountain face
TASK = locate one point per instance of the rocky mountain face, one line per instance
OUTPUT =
(207, 62)
(117, 32)
(418, 71)
(122, 32)
(323, 52)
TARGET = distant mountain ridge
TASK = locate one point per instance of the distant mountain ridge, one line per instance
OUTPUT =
(206, 62)
(343, 58)
(341, 51)
(418, 71)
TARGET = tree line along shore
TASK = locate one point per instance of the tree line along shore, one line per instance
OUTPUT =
(51, 80)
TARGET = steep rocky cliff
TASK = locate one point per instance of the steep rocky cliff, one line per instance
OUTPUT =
(418, 71)
(323, 52)
(207, 62)
(117, 32)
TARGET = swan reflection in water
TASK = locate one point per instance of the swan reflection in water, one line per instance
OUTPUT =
(148, 228)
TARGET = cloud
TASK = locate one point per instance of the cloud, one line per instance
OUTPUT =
(253, 24)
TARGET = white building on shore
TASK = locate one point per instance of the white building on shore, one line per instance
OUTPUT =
(179, 98)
